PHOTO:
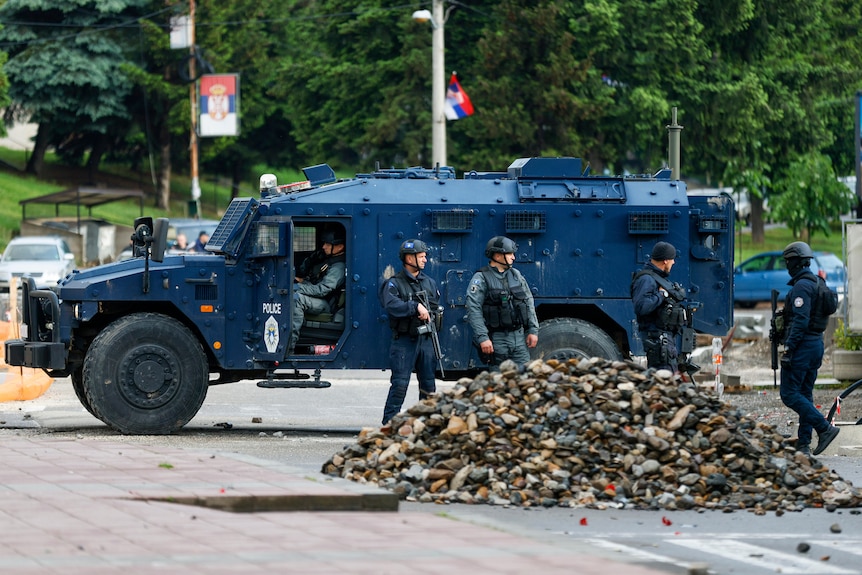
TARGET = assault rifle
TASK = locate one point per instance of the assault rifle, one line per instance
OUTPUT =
(430, 327)
(776, 334)
(687, 342)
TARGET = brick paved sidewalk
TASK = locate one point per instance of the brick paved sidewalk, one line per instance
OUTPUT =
(92, 507)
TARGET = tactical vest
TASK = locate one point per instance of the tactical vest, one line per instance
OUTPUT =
(316, 273)
(505, 307)
(407, 291)
(318, 270)
(670, 315)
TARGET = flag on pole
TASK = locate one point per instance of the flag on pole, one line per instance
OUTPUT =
(458, 104)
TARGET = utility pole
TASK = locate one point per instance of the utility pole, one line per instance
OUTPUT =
(193, 105)
(438, 72)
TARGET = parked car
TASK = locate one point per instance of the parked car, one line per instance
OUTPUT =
(45, 258)
(755, 278)
(189, 227)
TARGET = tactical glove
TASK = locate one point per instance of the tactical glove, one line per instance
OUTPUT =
(786, 358)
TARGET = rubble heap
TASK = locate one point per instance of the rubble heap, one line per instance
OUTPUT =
(589, 433)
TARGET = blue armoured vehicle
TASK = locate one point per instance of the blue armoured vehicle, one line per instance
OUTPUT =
(143, 339)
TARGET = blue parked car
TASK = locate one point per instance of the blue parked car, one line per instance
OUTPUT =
(755, 278)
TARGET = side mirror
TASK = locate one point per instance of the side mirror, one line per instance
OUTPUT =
(160, 239)
(143, 232)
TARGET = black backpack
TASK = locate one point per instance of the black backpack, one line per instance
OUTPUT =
(827, 300)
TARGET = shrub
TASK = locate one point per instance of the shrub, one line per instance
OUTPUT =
(843, 340)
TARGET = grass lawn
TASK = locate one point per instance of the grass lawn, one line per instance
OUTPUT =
(777, 238)
(16, 186)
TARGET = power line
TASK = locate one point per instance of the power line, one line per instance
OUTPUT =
(88, 30)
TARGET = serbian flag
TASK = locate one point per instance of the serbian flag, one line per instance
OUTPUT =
(219, 105)
(458, 104)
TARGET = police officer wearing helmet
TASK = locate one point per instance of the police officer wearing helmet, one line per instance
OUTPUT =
(320, 278)
(806, 310)
(658, 307)
(411, 347)
(500, 307)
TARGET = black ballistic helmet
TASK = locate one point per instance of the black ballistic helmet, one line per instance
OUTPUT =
(798, 250)
(333, 239)
(500, 245)
(412, 247)
(663, 251)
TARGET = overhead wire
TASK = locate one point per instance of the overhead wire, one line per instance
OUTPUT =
(133, 23)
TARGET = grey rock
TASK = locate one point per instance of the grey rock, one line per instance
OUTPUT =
(588, 433)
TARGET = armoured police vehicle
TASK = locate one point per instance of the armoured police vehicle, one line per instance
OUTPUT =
(143, 339)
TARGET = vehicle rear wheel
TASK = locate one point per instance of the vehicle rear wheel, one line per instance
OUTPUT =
(570, 338)
(145, 373)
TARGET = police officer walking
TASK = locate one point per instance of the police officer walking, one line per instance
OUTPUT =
(658, 307)
(319, 279)
(806, 310)
(500, 307)
(401, 296)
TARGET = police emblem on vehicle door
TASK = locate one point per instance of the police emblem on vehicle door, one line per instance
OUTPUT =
(270, 334)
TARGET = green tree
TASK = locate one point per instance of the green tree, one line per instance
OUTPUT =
(762, 100)
(255, 48)
(159, 103)
(355, 81)
(64, 66)
(811, 196)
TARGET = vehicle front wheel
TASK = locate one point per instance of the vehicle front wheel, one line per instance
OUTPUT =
(77, 376)
(145, 374)
(571, 338)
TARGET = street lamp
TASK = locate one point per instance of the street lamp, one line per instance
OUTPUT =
(438, 84)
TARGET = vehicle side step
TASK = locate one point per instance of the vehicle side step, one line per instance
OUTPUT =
(268, 383)
(290, 380)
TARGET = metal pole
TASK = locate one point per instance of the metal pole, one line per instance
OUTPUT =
(858, 143)
(193, 104)
(438, 96)
(673, 137)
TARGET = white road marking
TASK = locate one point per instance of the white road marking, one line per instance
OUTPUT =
(636, 553)
(762, 557)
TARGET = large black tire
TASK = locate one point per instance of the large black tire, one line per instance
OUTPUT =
(145, 374)
(567, 338)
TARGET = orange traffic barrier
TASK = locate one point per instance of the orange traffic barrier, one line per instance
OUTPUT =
(19, 383)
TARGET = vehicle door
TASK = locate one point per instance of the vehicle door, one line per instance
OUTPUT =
(269, 259)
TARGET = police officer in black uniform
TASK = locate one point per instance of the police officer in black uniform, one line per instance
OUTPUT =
(411, 347)
(658, 306)
(805, 317)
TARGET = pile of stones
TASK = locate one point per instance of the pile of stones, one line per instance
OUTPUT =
(588, 433)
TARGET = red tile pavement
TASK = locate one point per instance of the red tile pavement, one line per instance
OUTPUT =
(92, 507)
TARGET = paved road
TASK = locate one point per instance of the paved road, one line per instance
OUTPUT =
(304, 427)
